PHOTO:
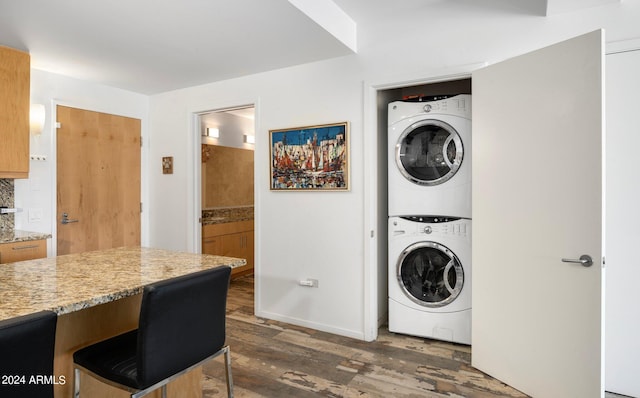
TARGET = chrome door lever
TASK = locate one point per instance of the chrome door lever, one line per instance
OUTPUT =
(585, 260)
(65, 219)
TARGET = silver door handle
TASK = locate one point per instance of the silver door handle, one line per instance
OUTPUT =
(65, 219)
(585, 260)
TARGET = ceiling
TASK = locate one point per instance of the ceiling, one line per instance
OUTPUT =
(154, 46)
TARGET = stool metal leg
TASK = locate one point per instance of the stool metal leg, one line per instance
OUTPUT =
(227, 368)
(76, 383)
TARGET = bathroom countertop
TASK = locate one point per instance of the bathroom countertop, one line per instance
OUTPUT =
(227, 215)
(224, 220)
(14, 235)
(73, 282)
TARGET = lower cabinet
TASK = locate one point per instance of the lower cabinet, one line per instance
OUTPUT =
(234, 239)
(20, 251)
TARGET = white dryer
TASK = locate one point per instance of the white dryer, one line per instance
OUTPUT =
(429, 156)
(430, 277)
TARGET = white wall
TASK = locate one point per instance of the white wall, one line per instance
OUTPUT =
(298, 234)
(38, 192)
(232, 129)
(622, 331)
(325, 235)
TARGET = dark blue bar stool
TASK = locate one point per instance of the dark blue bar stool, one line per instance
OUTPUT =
(181, 326)
(26, 355)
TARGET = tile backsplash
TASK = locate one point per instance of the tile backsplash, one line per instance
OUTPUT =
(7, 221)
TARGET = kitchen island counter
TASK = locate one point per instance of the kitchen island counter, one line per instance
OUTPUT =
(73, 282)
(97, 295)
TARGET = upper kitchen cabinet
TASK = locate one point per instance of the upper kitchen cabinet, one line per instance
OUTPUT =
(14, 113)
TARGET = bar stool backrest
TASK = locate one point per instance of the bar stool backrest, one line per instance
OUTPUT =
(182, 321)
(26, 355)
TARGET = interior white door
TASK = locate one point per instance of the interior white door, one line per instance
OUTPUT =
(538, 198)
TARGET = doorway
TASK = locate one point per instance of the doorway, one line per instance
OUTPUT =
(227, 184)
(457, 84)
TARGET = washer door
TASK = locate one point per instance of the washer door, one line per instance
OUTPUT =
(430, 274)
(429, 152)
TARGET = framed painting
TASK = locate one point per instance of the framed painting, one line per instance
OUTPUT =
(313, 158)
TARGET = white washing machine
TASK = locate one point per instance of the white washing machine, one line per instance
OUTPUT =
(430, 157)
(430, 277)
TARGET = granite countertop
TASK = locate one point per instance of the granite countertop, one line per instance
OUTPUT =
(14, 235)
(73, 282)
(227, 215)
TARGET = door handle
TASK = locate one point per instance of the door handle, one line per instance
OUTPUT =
(25, 247)
(585, 260)
(65, 219)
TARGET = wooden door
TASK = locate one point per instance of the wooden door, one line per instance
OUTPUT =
(538, 198)
(98, 181)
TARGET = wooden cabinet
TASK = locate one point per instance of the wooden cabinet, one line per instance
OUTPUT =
(14, 113)
(20, 251)
(234, 239)
(212, 245)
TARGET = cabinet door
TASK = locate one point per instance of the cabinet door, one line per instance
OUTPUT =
(14, 113)
(239, 245)
(232, 245)
(21, 251)
(212, 245)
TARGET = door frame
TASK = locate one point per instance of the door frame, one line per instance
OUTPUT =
(616, 47)
(375, 217)
(194, 189)
(52, 250)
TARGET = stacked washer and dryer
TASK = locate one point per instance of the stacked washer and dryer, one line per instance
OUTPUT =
(430, 218)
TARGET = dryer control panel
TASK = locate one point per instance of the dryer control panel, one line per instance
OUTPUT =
(430, 225)
(459, 105)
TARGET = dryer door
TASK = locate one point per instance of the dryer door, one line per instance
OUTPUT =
(429, 152)
(430, 274)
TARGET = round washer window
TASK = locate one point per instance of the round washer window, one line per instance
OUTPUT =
(430, 274)
(429, 152)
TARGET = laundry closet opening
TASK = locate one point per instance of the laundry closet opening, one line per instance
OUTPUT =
(424, 197)
(227, 184)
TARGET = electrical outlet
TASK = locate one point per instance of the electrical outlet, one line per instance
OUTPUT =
(308, 282)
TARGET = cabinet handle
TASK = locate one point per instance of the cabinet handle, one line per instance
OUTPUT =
(25, 247)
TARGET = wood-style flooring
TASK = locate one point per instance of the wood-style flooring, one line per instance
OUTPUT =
(275, 359)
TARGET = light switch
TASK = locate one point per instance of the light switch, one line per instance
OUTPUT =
(35, 215)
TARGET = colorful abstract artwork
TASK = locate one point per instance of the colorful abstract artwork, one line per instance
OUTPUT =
(310, 158)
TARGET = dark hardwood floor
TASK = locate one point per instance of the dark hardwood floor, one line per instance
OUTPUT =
(275, 359)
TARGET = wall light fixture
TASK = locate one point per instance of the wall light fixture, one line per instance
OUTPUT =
(249, 139)
(36, 119)
(213, 132)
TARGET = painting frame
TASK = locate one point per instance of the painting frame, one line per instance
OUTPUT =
(310, 158)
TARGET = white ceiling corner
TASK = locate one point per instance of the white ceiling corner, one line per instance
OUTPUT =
(561, 6)
(331, 18)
